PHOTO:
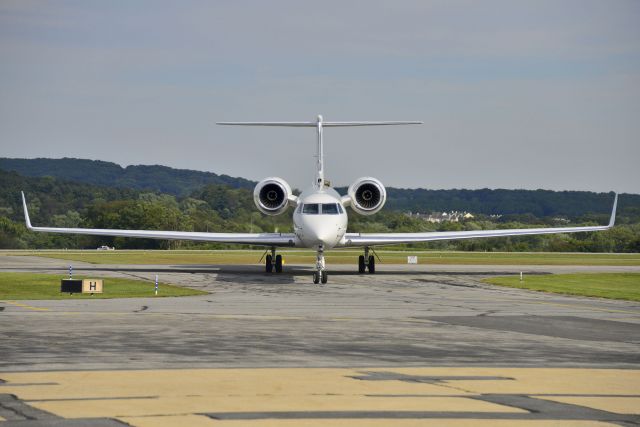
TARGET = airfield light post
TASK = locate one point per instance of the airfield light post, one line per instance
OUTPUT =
(156, 284)
(70, 272)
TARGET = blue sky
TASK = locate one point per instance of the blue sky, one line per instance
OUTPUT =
(540, 94)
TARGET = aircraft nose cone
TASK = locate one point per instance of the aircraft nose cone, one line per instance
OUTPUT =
(321, 237)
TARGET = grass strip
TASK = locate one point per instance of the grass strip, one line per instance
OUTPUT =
(624, 286)
(31, 286)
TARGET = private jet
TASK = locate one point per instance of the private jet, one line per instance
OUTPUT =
(319, 216)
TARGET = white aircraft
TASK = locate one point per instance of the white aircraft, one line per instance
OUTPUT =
(320, 216)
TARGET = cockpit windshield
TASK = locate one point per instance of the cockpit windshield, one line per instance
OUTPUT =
(324, 208)
(311, 208)
(330, 208)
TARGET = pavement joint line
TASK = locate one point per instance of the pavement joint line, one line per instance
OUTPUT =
(581, 307)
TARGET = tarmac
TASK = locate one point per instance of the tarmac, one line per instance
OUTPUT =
(408, 346)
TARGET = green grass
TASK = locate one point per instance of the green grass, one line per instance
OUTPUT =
(30, 286)
(334, 257)
(625, 286)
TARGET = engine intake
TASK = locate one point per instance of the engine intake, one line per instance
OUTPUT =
(367, 196)
(272, 196)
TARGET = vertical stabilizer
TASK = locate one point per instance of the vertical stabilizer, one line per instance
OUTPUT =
(319, 182)
(319, 124)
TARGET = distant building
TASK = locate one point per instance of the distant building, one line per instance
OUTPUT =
(438, 217)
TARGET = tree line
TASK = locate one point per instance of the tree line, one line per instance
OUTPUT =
(222, 208)
(183, 183)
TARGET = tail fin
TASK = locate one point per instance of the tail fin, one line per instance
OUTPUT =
(319, 124)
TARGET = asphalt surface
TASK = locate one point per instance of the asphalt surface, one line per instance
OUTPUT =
(421, 316)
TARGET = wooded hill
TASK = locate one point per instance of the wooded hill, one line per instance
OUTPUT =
(183, 182)
(179, 182)
(225, 208)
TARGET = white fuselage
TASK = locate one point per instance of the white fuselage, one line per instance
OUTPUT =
(320, 219)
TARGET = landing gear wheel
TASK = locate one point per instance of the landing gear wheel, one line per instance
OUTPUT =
(269, 264)
(361, 266)
(316, 277)
(372, 264)
(324, 277)
(278, 263)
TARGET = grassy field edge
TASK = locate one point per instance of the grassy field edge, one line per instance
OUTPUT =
(33, 286)
(622, 286)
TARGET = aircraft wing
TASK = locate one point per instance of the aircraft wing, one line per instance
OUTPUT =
(371, 239)
(260, 239)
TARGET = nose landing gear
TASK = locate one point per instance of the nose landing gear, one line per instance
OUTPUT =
(320, 275)
(366, 261)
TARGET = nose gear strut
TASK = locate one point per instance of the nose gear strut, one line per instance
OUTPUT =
(320, 275)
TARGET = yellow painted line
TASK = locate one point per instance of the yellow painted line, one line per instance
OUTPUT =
(618, 405)
(176, 396)
(28, 307)
(172, 421)
(198, 421)
(2, 419)
(539, 380)
(267, 403)
(210, 382)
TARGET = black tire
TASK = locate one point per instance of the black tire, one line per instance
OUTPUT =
(372, 264)
(316, 277)
(361, 266)
(269, 264)
(324, 277)
(278, 263)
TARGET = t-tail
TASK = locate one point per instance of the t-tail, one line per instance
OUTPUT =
(319, 124)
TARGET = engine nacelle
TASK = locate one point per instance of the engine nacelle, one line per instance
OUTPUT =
(367, 196)
(272, 195)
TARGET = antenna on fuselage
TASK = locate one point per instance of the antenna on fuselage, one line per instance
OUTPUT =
(319, 124)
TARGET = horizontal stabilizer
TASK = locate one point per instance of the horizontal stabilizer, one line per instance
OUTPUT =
(315, 124)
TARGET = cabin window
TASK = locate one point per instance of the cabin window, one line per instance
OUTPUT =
(330, 208)
(311, 208)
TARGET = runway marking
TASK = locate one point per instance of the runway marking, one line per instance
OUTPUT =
(28, 307)
(404, 397)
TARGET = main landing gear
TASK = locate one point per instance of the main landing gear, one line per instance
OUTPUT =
(366, 261)
(273, 261)
(320, 275)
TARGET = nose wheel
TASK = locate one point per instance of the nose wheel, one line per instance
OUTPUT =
(320, 275)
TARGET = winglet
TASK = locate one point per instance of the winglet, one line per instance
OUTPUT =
(26, 212)
(612, 221)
